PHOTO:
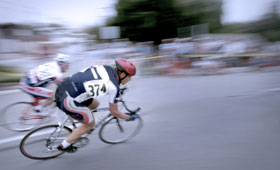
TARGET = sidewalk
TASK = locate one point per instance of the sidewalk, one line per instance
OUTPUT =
(8, 86)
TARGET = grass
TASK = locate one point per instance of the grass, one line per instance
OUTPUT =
(9, 74)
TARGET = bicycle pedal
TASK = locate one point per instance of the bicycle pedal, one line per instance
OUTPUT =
(69, 149)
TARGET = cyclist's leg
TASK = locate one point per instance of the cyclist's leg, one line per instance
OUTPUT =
(38, 92)
(49, 100)
(93, 104)
(79, 112)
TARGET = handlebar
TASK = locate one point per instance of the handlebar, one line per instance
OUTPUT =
(122, 90)
(120, 99)
(129, 110)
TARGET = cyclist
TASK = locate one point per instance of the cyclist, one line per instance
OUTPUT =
(36, 79)
(76, 95)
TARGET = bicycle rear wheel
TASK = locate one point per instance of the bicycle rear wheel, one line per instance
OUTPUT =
(41, 143)
(20, 116)
(116, 130)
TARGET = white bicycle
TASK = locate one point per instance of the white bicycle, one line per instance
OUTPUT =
(41, 143)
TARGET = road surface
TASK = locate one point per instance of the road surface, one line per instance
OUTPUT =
(218, 122)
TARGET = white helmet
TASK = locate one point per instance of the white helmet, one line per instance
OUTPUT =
(63, 58)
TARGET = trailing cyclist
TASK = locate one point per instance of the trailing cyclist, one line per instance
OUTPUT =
(76, 96)
(36, 80)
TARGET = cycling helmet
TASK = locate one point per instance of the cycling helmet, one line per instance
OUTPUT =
(126, 66)
(62, 58)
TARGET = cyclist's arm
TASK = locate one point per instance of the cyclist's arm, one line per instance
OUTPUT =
(58, 76)
(57, 80)
(114, 92)
(114, 109)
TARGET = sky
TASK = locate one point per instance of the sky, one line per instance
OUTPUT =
(74, 13)
(245, 10)
(82, 13)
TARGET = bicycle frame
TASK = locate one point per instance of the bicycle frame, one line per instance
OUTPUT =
(55, 134)
(99, 123)
(103, 120)
(27, 116)
(37, 101)
(62, 124)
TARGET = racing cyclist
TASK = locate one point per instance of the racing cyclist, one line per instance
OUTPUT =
(76, 96)
(36, 80)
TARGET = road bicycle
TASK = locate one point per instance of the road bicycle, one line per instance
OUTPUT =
(41, 143)
(21, 116)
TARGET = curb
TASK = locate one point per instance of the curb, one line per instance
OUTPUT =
(11, 139)
(9, 88)
(7, 92)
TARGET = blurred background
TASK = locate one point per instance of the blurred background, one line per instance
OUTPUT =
(171, 37)
(207, 77)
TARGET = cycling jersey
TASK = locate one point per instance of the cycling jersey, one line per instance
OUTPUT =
(43, 74)
(36, 79)
(76, 92)
(92, 82)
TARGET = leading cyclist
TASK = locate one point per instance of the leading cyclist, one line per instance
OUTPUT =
(76, 96)
(36, 80)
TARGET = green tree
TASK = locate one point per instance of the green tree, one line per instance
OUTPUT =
(269, 26)
(154, 20)
(93, 31)
(145, 20)
(201, 12)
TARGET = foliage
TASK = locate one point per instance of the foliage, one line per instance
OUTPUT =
(9, 69)
(93, 31)
(202, 11)
(54, 25)
(146, 20)
(8, 78)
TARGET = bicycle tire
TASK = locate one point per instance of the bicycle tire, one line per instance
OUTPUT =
(111, 133)
(15, 117)
(34, 145)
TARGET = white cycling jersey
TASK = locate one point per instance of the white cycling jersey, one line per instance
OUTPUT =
(45, 73)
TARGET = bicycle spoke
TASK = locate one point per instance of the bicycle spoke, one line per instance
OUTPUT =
(117, 130)
(42, 142)
(20, 117)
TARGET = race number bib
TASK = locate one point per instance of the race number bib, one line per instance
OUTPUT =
(95, 88)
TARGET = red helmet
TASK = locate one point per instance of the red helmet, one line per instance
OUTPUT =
(126, 66)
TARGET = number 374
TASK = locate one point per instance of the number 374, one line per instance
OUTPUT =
(95, 88)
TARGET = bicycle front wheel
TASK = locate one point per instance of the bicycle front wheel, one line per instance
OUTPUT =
(116, 130)
(41, 143)
(20, 117)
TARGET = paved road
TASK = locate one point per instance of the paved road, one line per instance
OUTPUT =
(223, 122)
